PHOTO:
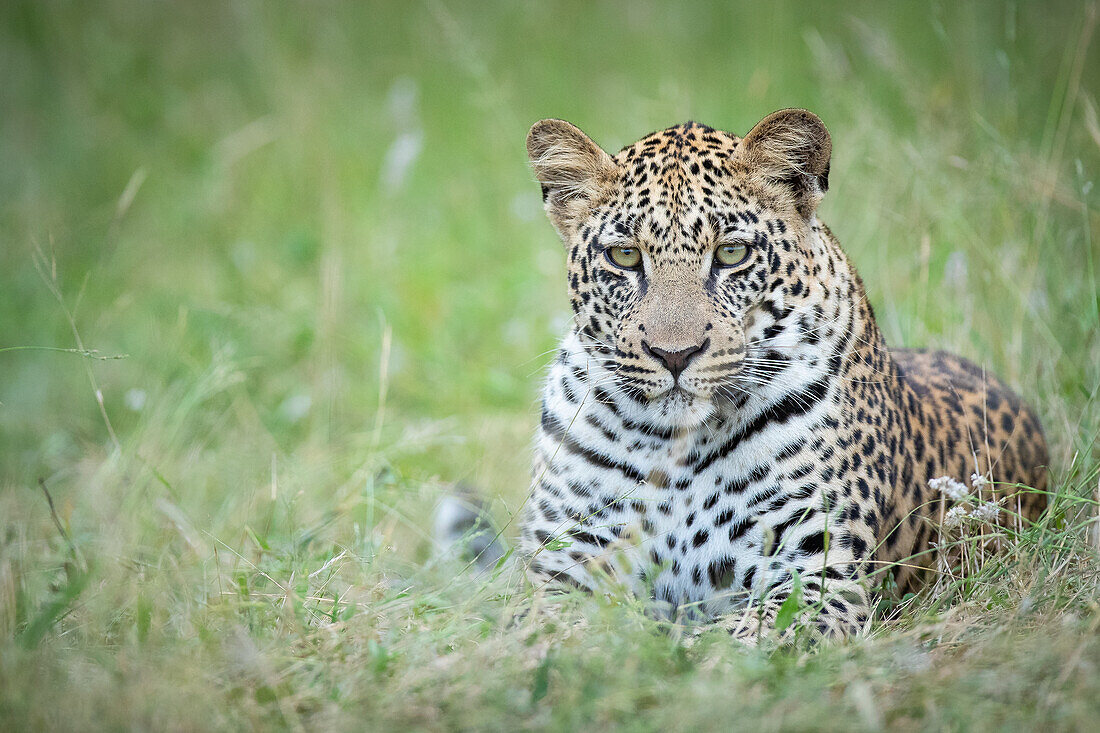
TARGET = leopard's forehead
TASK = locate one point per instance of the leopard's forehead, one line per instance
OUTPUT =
(680, 145)
(675, 185)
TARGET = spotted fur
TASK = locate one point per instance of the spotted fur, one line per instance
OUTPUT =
(711, 436)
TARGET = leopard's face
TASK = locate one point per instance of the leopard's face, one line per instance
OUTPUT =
(682, 251)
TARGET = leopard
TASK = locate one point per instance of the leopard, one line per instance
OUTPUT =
(723, 427)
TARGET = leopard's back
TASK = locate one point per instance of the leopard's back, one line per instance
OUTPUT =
(964, 420)
(994, 432)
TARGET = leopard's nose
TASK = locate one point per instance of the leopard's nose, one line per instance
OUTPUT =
(675, 361)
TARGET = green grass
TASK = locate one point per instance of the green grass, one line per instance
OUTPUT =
(317, 340)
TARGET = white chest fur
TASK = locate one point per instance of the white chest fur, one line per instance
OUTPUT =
(684, 516)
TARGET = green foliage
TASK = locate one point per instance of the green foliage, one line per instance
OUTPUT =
(297, 251)
(790, 607)
(45, 618)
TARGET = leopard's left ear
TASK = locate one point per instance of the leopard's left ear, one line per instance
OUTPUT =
(791, 147)
(570, 167)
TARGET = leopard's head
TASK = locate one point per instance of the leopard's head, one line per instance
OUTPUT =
(684, 248)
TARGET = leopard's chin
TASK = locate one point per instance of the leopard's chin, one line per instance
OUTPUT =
(681, 409)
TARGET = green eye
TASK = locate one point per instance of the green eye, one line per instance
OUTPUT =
(728, 255)
(626, 257)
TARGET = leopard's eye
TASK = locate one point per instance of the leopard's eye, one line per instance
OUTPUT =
(731, 255)
(626, 257)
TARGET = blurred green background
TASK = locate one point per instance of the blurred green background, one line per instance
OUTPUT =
(311, 231)
(268, 188)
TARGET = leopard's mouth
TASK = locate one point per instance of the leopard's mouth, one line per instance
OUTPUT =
(677, 394)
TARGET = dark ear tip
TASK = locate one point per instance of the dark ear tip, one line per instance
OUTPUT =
(803, 123)
(799, 118)
(543, 126)
(798, 113)
(543, 132)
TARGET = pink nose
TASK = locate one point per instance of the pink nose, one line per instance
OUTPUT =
(675, 361)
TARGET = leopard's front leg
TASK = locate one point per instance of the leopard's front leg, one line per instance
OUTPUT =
(837, 612)
(823, 564)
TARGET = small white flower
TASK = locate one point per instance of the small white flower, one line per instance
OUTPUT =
(295, 407)
(955, 270)
(135, 399)
(950, 488)
(978, 481)
(955, 517)
(987, 512)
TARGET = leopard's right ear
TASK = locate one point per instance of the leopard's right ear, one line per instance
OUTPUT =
(569, 166)
(791, 148)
